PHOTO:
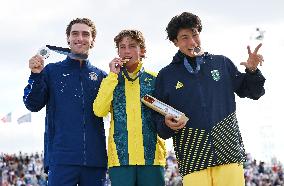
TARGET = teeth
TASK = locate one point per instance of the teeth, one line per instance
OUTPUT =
(125, 60)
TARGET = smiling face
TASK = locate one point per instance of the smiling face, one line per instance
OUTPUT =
(129, 48)
(187, 39)
(80, 39)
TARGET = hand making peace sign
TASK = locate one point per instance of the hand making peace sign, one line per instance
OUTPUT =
(254, 59)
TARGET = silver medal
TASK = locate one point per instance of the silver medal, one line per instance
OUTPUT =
(44, 52)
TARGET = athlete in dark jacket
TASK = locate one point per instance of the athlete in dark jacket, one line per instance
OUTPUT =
(75, 146)
(209, 146)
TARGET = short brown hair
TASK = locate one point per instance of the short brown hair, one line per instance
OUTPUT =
(85, 21)
(134, 34)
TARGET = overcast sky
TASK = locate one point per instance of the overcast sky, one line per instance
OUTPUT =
(228, 27)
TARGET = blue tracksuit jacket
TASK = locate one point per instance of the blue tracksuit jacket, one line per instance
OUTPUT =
(73, 134)
(207, 96)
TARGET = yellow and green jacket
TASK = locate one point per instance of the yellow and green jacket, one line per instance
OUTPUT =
(132, 139)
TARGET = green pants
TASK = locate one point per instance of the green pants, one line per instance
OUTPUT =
(136, 175)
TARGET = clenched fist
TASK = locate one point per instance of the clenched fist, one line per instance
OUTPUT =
(36, 64)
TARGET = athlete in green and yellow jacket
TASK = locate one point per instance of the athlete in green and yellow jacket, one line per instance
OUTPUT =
(136, 155)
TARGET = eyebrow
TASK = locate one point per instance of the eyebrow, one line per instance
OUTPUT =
(184, 35)
(77, 31)
(130, 44)
(85, 32)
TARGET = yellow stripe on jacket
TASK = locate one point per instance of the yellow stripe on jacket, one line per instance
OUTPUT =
(102, 105)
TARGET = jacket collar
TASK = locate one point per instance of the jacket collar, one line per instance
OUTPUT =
(179, 57)
(76, 63)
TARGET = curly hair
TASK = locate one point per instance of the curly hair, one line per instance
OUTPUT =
(85, 21)
(134, 34)
(182, 21)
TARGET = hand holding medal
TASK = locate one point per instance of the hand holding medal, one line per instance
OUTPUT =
(117, 63)
(36, 63)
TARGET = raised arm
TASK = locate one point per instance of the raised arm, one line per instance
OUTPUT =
(36, 92)
(102, 103)
(251, 83)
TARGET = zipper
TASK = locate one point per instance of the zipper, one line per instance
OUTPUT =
(84, 120)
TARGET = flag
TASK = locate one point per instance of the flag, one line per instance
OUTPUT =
(25, 118)
(7, 118)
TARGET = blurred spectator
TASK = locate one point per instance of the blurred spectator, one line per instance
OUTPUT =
(27, 170)
(22, 170)
(172, 176)
(263, 174)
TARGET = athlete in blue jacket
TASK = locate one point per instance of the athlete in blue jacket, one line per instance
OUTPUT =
(75, 147)
(209, 146)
